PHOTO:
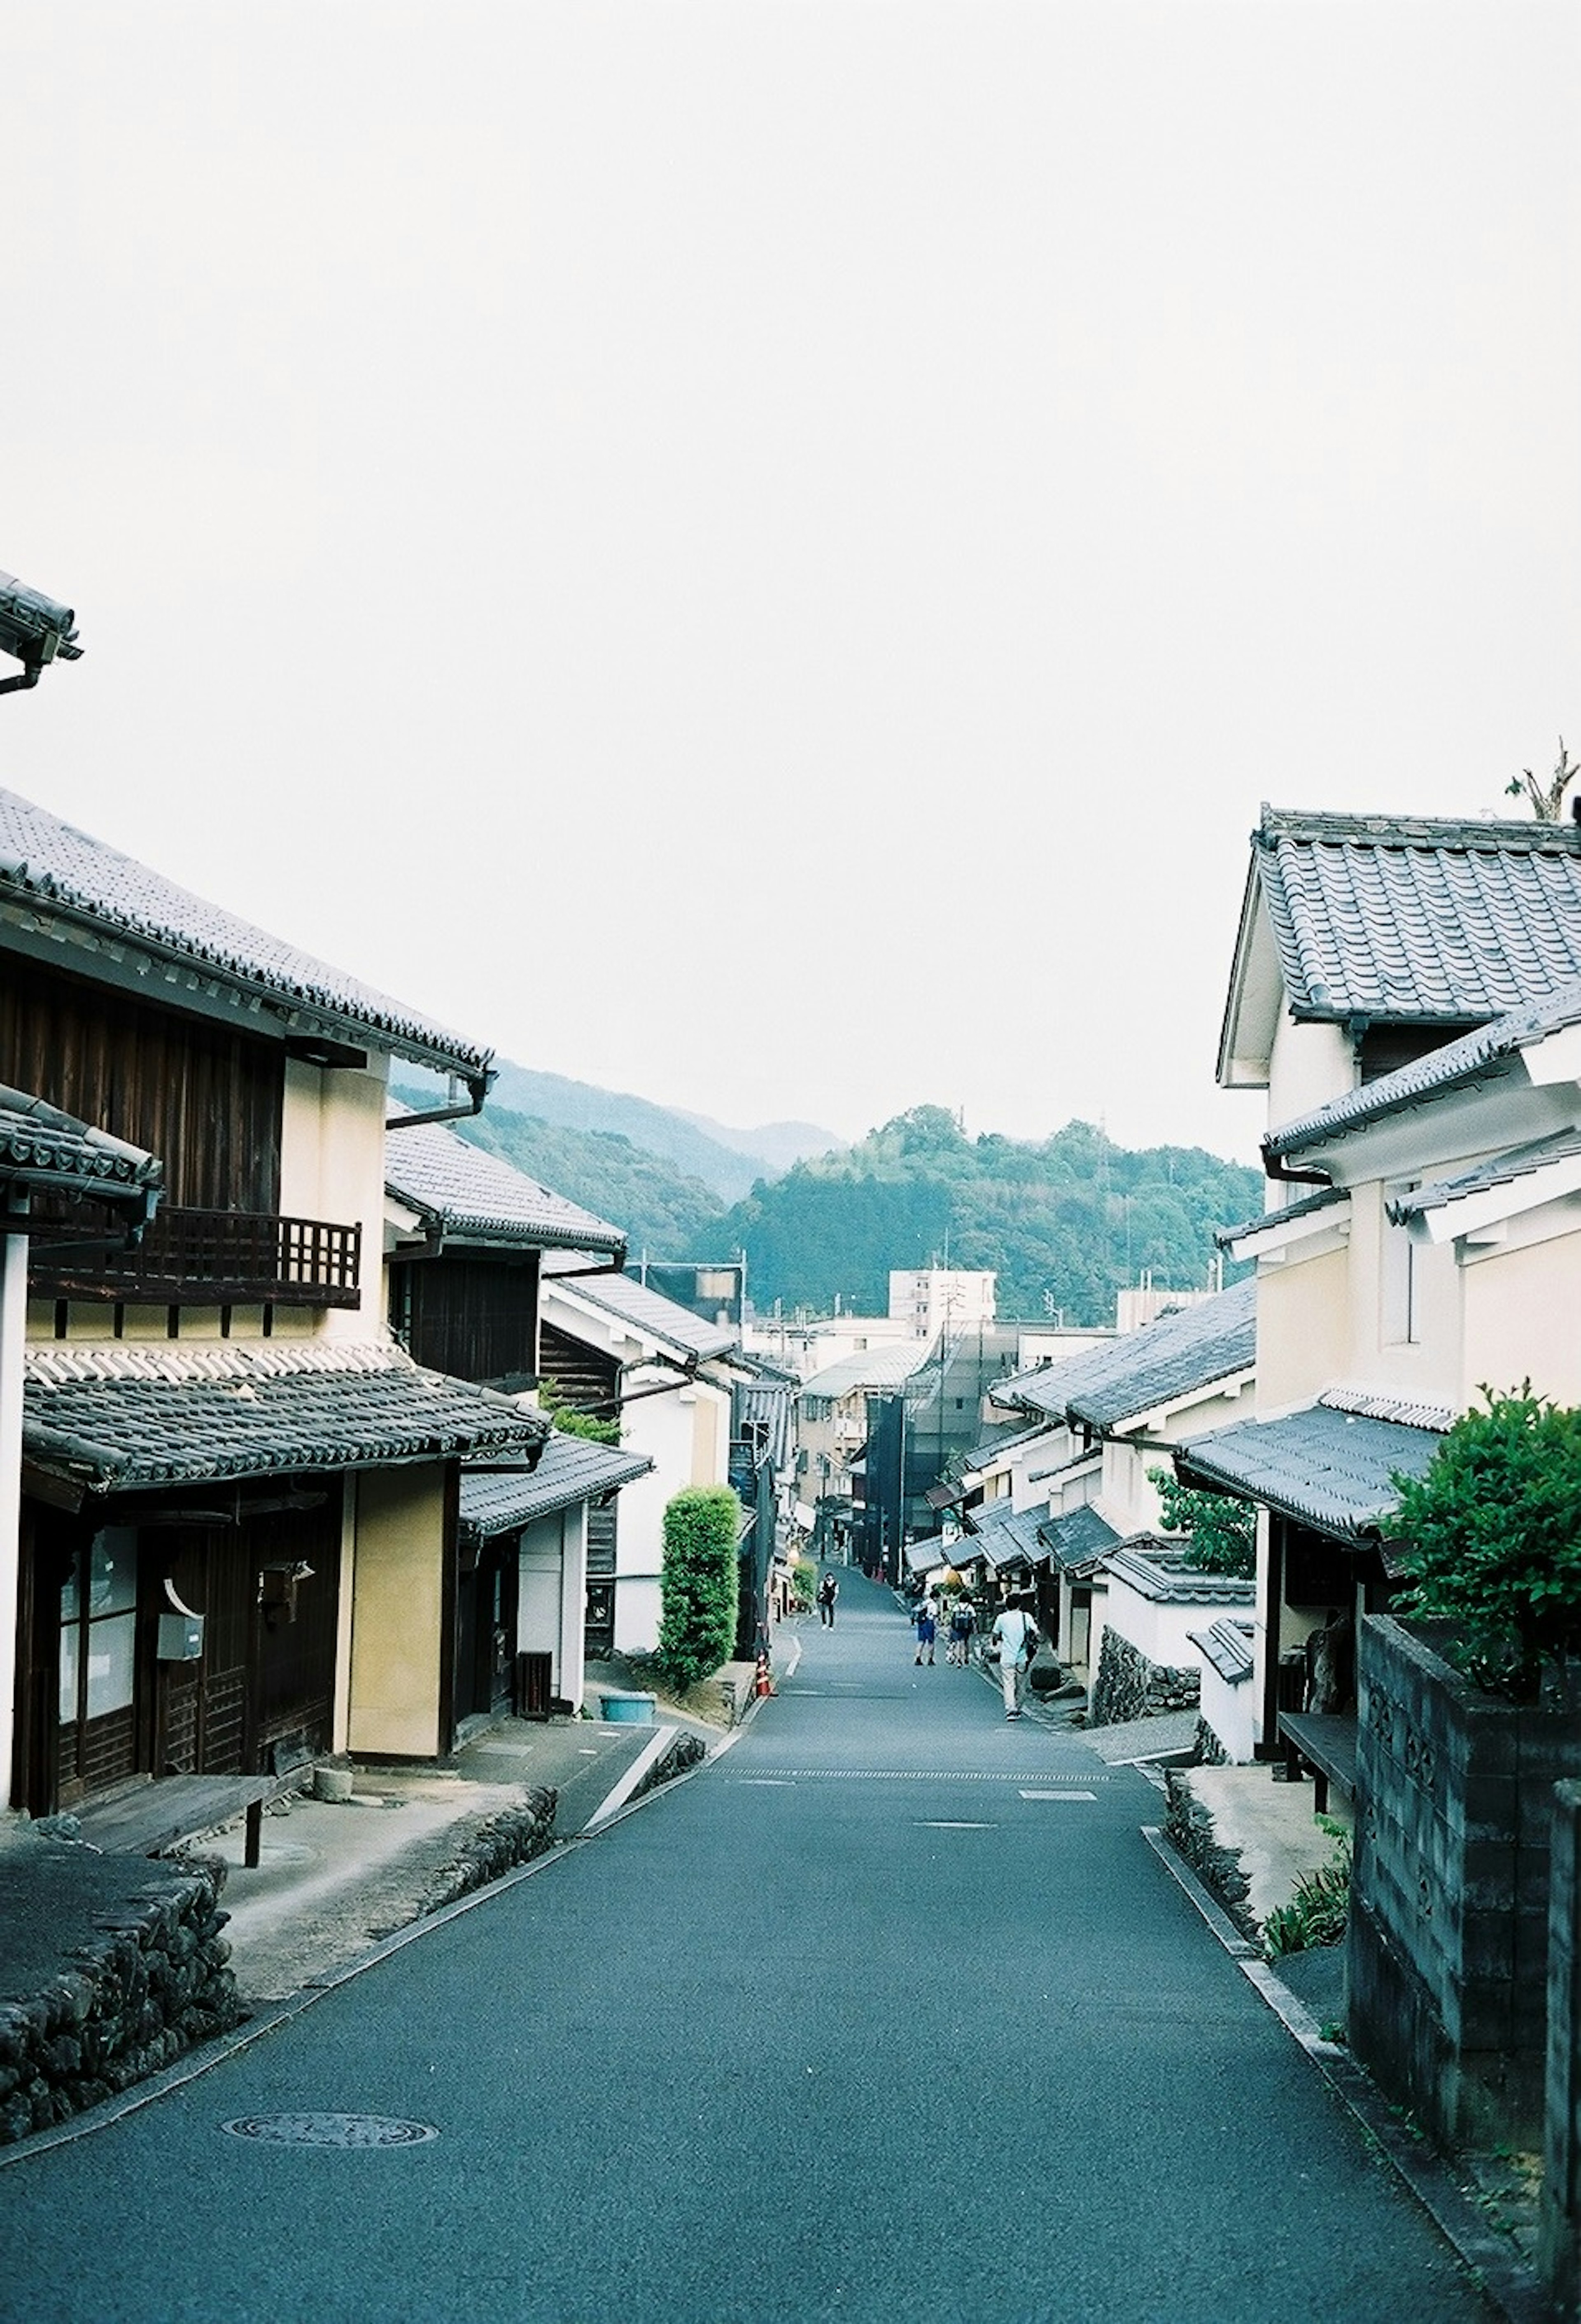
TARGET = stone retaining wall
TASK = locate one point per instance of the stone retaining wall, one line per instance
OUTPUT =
(496, 1847)
(1129, 1686)
(150, 1980)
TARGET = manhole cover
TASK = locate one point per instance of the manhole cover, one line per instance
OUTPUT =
(329, 2130)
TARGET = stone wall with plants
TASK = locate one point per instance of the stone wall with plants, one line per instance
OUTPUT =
(1447, 1959)
(496, 1846)
(1129, 1686)
(150, 1979)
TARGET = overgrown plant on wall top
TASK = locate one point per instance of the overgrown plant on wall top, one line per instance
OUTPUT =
(697, 1583)
(1221, 1532)
(1491, 1539)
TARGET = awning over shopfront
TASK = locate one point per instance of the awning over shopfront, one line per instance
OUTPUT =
(1002, 1539)
(570, 1469)
(130, 1418)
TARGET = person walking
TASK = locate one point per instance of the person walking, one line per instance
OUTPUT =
(828, 1592)
(1015, 1633)
(962, 1623)
(926, 1618)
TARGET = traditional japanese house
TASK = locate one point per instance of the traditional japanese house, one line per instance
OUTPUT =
(465, 1233)
(239, 1518)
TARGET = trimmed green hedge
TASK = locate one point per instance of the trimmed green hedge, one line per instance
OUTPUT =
(697, 1583)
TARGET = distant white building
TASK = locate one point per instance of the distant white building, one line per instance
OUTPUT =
(935, 1299)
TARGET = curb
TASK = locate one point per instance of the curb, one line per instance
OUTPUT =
(1490, 2259)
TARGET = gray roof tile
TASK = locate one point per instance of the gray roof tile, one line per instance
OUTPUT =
(570, 1469)
(1403, 919)
(649, 1312)
(1502, 1170)
(1475, 1056)
(43, 1149)
(1227, 1645)
(1004, 1538)
(1078, 1538)
(1308, 1204)
(1160, 1571)
(1171, 1359)
(61, 871)
(1328, 1468)
(476, 1198)
(125, 1417)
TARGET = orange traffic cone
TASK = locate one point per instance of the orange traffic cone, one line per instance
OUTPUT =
(763, 1684)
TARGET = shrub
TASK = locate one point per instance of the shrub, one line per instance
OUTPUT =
(698, 1583)
(1491, 1538)
(1318, 1912)
(556, 1402)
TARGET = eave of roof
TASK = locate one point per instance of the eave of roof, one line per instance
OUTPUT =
(648, 1312)
(474, 1196)
(1473, 1056)
(569, 1469)
(41, 1148)
(50, 870)
(1326, 1467)
(1177, 1357)
(129, 1417)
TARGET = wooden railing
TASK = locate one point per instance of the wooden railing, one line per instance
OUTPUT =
(211, 1259)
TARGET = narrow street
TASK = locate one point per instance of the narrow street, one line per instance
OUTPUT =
(890, 2012)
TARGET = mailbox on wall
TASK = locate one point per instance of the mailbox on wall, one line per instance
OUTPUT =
(181, 1638)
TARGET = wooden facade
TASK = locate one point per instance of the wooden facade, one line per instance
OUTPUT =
(470, 1314)
(96, 1704)
(207, 1098)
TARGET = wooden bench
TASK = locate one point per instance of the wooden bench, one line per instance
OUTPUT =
(1325, 1743)
(156, 1817)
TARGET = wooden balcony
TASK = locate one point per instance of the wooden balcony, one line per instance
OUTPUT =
(209, 1258)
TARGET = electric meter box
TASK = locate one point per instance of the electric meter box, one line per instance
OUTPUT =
(180, 1637)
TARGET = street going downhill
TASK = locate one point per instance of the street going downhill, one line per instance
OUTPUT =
(890, 2011)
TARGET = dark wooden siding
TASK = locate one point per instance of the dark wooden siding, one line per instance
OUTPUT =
(588, 1378)
(476, 1318)
(204, 1098)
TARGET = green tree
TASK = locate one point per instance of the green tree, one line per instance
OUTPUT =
(1220, 1530)
(1491, 1537)
(697, 1583)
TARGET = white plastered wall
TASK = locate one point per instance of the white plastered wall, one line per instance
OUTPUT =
(1311, 1065)
(552, 1600)
(1227, 1710)
(1522, 1320)
(1303, 1329)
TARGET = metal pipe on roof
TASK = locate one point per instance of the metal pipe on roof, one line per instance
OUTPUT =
(478, 1087)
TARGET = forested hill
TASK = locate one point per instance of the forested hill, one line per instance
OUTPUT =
(1065, 1223)
(664, 1212)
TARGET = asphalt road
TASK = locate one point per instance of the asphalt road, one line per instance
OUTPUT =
(889, 2013)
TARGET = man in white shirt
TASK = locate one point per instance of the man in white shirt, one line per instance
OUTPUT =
(1015, 1633)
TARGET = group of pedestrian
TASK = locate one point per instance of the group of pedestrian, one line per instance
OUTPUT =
(1013, 1640)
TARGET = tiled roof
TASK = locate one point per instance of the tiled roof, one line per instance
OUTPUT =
(999, 1442)
(47, 865)
(885, 1366)
(1160, 1571)
(1171, 1359)
(122, 1417)
(479, 1198)
(1324, 1200)
(1470, 1058)
(41, 1147)
(570, 1469)
(649, 1312)
(1004, 1538)
(1502, 1170)
(1227, 1645)
(1326, 1467)
(1398, 917)
(1077, 1537)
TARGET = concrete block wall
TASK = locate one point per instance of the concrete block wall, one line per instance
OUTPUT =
(1559, 2229)
(1448, 1937)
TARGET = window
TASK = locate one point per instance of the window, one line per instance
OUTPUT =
(98, 1629)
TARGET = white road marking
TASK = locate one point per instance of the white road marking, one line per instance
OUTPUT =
(1058, 1795)
(767, 1783)
(936, 1823)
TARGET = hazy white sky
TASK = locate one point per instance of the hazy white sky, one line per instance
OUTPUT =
(765, 554)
